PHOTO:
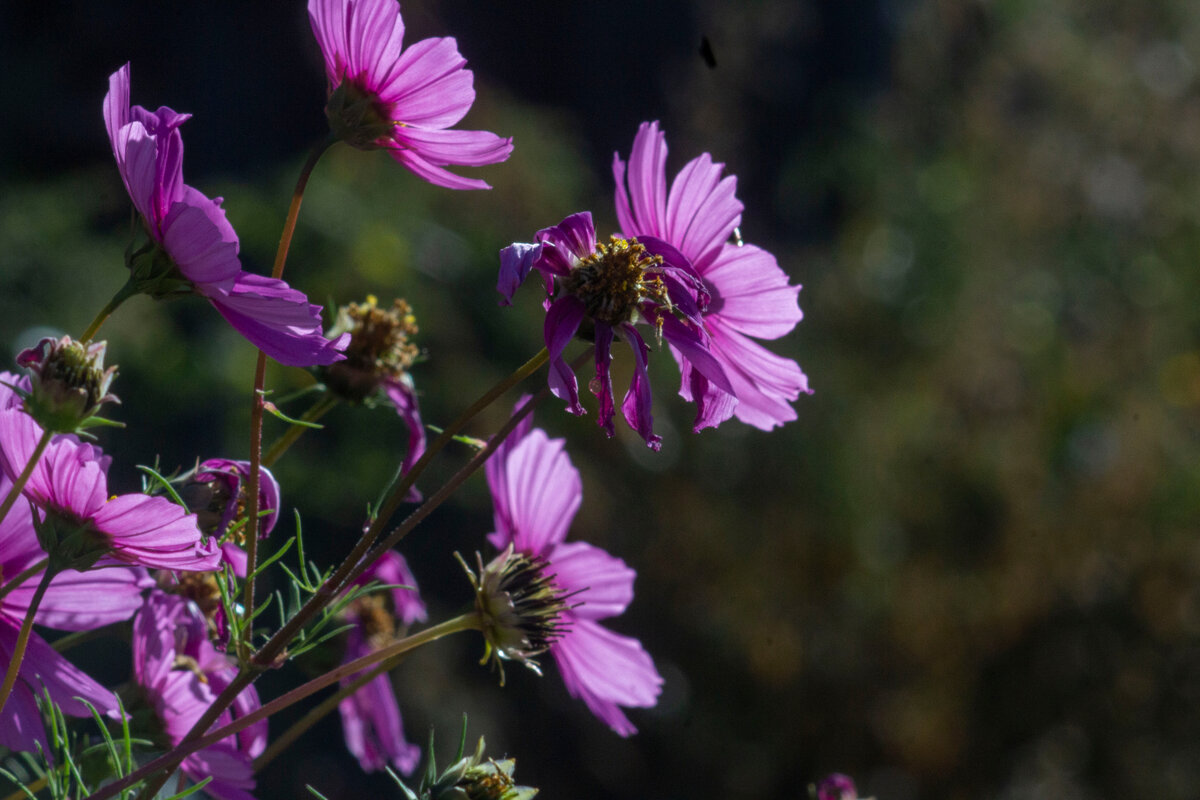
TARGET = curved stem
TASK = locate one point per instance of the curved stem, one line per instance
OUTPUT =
(18, 656)
(318, 410)
(23, 478)
(256, 411)
(167, 761)
(23, 576)
(124, 293)
(318, 712)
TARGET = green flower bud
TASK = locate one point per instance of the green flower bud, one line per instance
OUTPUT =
(69, 383)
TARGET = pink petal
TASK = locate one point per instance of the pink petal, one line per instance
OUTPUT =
(765, 384)
(201, 241)
(465, 148)
(751, 293)
(603, 583)
(543, 492)
(428, 86)
(607, 671)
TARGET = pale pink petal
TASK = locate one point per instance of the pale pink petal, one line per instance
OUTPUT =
(751, 293)
(543, 493)
(601, 582)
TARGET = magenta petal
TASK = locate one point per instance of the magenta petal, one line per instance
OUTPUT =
(81, 601)
(515, 262)
(602, 386)
(576, 234)
(154, 532)
(391, 569)
(433, 173)
(464, 148)
(279, 321)
(562, 321)
(401, 393)
(702, 210)
(607, 671)
(764, 383)
(202, 243)
(428, 85)
(601, 582)
(542, 493)
(753, 295)
(695, 347)
(638, 400)
(646, 209)
(374, 730)
(42, 666)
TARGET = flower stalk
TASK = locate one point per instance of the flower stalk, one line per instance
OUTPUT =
(124, 293)
(23, 478)
(14, 666)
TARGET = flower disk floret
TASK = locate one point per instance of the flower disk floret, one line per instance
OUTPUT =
(382, 95)
(193, 247)
(613, 286)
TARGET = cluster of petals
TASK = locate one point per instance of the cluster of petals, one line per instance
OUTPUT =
(74, 601)
(555, 253)
(749, 294)
(536, 492)
(371, 721)
(414, 95)
(181, 674)
(70, 482)
(231, 475)
(194, 233)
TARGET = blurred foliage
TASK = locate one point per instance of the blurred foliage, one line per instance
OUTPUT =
(970, 569)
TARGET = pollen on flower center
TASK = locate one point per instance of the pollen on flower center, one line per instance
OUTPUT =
(616, 279)
(380, 347)
(375, 617)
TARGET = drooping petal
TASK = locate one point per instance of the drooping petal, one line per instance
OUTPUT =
(516, 261)
(433, 173)
(602, 387)
(404, 398)
(463, 148)
(562, 321)
(279, 320)
(374, 730)
(602, 583)
(607, 671)
(392, 569)
(638, 400)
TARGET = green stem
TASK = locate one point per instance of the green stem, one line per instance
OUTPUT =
(317, 713)
(256, 411)
(23, 478)
(124, 293)
(328, 590)
(318, 410)
(32, 788)
(23, 576)
(18, 656)
(167, 762)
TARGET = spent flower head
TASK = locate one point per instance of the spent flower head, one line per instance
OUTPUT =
(519, 607)
(403, 100)
(68, 383)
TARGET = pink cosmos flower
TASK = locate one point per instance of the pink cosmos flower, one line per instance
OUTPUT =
(69, 487)
(536, 492)
(215, 493)
(199, 244)
(74, 601)
(182, 674)
(371, 719)
(750, 294)
(401, 100)
(613, 286)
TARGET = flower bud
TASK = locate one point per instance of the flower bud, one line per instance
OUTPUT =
(68, 382)
(216, 493)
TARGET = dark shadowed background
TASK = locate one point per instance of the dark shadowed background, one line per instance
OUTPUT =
(969, 570)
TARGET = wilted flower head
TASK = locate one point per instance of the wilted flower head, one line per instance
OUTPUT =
(470, 778)
(401, 100)
(68, 382)
(79, 524)
(750, 294)
(371, 719)
(614, 286)
(193, 247)
(74, 601)
(182, 674)
(536, 492)
(379, 356)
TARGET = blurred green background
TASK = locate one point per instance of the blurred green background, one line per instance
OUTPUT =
(970, 568)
